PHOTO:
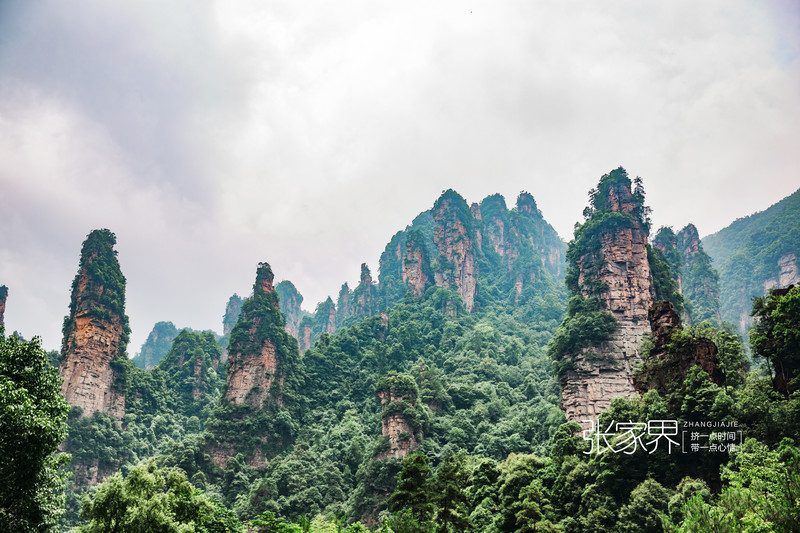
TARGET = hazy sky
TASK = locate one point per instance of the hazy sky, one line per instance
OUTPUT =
(211, 135)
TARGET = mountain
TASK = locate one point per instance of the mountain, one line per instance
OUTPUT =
(754, 254)
(690, 265)
(598, 346)
(96, 330)
(156, 346)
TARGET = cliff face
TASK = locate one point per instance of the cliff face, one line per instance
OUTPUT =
(343, 307)
(400, 424)
(755, 254)
(96, 330)
(610, 260)
(192, 359)
(365, 296)
(416, 273)
(3, 296)
(156, 346)
(304, 340)
(666, 369)
(257, 343)
(453, 236)
(232, 310)
(290, 300)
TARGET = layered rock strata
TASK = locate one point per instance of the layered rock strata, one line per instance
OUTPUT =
(602, 373)
(95, 332)
(253, 365)
(666, 369)
(453, 237)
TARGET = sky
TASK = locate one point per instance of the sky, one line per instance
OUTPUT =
(211, 135)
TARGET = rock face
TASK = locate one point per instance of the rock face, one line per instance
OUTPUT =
(3, 297)
(190, 370)
(788, 273)
(453, 236)
(343, 307)
(398, 394)
(290, 300)
(620, 267)
(232, 310)
(365, 296)
(254, 353)
(416, 273)
(96, 330)
(664, 369)
(304, 340)
(158, 343)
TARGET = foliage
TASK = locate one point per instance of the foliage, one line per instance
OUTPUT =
(33, 417)
(152, 499)
(776, 336)
(103, 292)
(157, 345)
(586, 324)
(747, 254)
(666, 289)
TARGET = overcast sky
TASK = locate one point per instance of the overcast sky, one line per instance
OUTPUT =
(210, 136)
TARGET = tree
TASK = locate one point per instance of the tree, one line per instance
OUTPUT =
(452, 478)
(33, 416)
(776, 336)
(153, 499)
(413, 488)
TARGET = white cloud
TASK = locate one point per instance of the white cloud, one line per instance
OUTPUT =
(210, 137)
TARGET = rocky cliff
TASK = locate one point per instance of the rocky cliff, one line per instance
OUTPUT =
(190, 370)
(232, 310)
(697, 280)
(454, 237)
(610, 267)
(96, 330)
(402, 419)
(668, 363)
(290, 300)
(156, 346)
(260, 348)
(3, 297)
(416, 273)
(365, 295)
(343, 308)
(754, 254)
(304, 341)
(263, 378)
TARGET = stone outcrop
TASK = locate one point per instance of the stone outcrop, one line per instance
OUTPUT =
(416, 273)
(399, 423)
(453, 237)
(620, 266)
(232, 310)
(304, 340)
(95, 332)
(156, 346)
(343, 307)
(3, 297)
(365, 295)
(788, 273)
(253, 360)
(289, 302)
(666, 368)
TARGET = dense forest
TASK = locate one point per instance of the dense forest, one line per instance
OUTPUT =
(467, 389)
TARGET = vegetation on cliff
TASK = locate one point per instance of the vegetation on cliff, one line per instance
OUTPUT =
(476, 389)
(98, 289)
(156, 346)
(749, 254)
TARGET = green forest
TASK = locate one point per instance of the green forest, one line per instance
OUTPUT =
(430, 400)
